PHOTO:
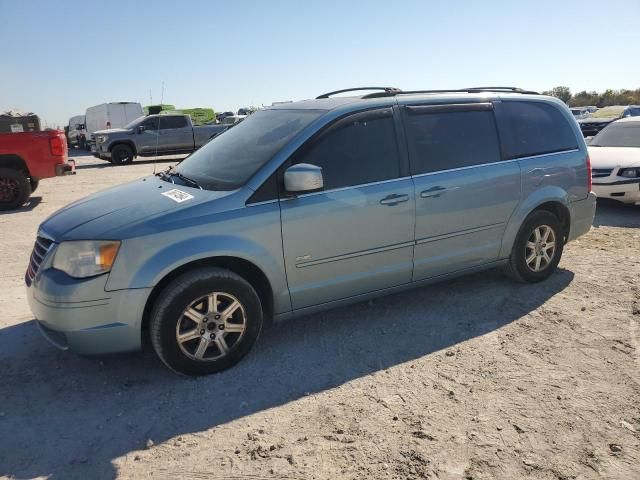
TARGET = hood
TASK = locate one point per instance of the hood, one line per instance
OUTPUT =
(597, 120)
(612, 157)
(111, 131)
(95, 216)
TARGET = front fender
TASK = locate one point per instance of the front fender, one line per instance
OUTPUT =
(545, 194)
(134, 269)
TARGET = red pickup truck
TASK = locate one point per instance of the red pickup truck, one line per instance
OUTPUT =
(25, 159)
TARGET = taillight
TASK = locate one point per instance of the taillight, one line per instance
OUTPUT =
(57, 146)
(589, 179)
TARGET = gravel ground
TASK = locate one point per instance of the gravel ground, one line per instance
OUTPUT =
(474, 378)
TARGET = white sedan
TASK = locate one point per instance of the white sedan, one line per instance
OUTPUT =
(615, 161)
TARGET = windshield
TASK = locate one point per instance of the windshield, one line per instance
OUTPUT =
(619, 134)
(632, 112)
(230, 159)
(135, 122)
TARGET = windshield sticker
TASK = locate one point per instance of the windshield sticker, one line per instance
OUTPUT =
(178, 195)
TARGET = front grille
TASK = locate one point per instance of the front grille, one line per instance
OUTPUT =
(601, 172)
(40, 249)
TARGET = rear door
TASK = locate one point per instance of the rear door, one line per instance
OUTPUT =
(356, 235)
(465, 193)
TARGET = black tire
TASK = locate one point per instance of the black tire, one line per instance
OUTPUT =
(14, 188)
(168, 318)
(518, 268)
(121, 155)
(34, 184)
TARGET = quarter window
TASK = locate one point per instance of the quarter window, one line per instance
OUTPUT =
(534, 128)
(357, 150)
(451, 139)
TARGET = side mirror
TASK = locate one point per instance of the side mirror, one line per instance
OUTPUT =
(302, 178)
(140, 128)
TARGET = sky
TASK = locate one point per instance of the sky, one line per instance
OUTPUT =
(58, 58)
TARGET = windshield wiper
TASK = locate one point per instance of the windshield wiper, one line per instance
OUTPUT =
(185, 178)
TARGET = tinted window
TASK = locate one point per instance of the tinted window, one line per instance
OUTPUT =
(229, 160)
(618, 134)
(534, 128)
(445, 140)
(151, 123)
(356, 150)
(172, 122)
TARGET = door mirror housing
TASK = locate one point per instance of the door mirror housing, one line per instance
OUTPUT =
(302, 178)
(140, 128)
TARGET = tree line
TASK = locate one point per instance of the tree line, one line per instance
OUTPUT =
(604, 99)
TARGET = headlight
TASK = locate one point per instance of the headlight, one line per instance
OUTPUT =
(629, 172)
(102, 138)
(85, 258)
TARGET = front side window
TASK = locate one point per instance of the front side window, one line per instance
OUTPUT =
(451, 139)
(229, 160)
(535, 128)
(356, 150)
(618, 134)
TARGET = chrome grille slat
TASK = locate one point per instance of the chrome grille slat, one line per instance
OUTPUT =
(39, 252)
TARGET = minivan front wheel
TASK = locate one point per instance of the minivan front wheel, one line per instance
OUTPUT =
(205, 321)
(537, 249)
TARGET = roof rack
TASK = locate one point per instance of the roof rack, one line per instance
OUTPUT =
(386, 91)
(461, 90)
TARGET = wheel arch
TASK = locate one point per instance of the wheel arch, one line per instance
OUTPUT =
(128, 143)
(14, 161)
(551, 199)
(244, 268)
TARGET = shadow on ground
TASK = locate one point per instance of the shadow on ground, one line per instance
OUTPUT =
(66, 416)
(610, 213)
(32, 203)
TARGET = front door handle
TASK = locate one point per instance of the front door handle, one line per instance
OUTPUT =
(432, 192)
(394, 199)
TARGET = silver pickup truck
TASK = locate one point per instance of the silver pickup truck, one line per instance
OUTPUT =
(152, 135)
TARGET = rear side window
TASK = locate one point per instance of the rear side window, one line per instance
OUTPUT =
(172, 122)
(356, 150)
(534, 128)
(451, 139)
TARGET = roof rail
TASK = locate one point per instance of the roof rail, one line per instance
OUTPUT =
(460, 90)
(388, 90)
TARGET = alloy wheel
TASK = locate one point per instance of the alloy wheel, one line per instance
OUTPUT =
(540, 248)
(211, 327)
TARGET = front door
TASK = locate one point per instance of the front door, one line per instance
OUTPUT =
(464, 193)
(176, 134)
(356, 235)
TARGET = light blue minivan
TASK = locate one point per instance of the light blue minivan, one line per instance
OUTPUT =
(308, 206)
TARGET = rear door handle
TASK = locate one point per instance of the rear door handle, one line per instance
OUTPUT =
(394, 199)
(432, 192)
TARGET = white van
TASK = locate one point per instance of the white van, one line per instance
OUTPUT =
(77, 131)
(111, 115)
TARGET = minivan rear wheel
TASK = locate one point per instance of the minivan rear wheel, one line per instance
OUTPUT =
(537, 249)
(204, 321)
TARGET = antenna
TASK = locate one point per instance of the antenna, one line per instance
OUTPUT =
(158, 130)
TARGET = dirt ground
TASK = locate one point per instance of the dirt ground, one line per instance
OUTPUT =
(477, 378)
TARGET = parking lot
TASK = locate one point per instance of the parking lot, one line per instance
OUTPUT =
(475, 378)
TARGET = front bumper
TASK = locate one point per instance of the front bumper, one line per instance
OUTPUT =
(627, 191)
(100, 150)
(79, 315)
(582, 214)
